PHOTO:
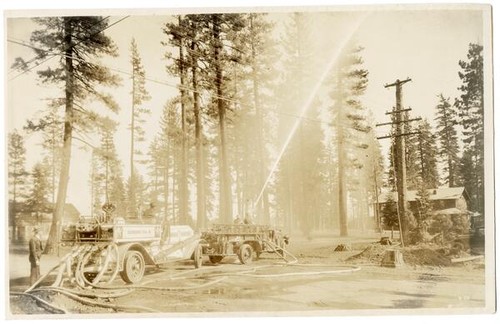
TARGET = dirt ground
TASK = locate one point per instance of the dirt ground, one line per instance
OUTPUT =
(321, 280)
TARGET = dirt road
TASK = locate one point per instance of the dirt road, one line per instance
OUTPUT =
(322, 280)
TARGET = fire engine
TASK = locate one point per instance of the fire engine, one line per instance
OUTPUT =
(104, 248)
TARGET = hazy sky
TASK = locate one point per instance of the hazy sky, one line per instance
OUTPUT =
(424, 45)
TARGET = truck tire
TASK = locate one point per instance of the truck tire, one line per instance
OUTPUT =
(133, 267)
(198, 256)
(216, 259)
(245, 254)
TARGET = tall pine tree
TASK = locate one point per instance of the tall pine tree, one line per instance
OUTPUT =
(349, 80)
(16, 171)
(81, 42)
(446, 119)
(427, 155)
(470, 105)
(37, 200)
(139, 96)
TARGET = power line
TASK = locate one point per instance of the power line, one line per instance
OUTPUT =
(50, 51)
(230, 100)
(71, 46)
(38, 64)
(162, 82)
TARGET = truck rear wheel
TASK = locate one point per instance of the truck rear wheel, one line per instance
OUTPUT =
(133, 267)
(245, 254)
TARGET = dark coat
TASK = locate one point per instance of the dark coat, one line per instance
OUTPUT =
(36, 249)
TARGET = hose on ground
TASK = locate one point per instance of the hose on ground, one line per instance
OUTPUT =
(249, 272)
(50, 271)
(143, 287)
(308, 273)
(106, 305)
(65, 264)
(87, 293)
(52, 308)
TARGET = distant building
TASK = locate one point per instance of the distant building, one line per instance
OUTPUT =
(446, 201)
(22, 223)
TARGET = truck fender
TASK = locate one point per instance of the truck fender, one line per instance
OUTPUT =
(256, 246)
(203, 242)
(123, 249)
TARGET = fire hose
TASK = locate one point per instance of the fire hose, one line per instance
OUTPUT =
(106, 263)
(78, 296)
(81, 256)
(83, 262)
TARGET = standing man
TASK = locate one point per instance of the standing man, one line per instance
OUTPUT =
(35, 255)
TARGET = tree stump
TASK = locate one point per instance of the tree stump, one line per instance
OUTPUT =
(392, 258)
(385, 240)
(342, 247)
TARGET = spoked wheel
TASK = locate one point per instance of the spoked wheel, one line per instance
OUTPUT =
(198, 256)
(215, 259)
(133, 267)
(245, 254)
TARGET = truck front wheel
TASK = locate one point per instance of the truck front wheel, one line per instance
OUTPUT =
(198, 256)
(133, 267)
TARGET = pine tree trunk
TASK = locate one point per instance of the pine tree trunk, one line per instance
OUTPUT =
(183, 185)
(342, 194)
(200, 173)
(302, 203)
(132, 194)
(166, 181)
(289, 215)
(263, 207)
(174, 180)
(451, 171)
(53, 237)
(225, 183)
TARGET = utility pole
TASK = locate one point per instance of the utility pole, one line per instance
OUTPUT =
(377, 206)
(398, 120)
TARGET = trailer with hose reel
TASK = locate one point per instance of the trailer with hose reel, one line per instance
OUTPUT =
(246, 241)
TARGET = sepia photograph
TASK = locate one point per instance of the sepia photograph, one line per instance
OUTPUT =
(249, 161)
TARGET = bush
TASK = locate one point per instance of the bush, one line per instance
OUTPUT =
(461, 224)
(441, 224)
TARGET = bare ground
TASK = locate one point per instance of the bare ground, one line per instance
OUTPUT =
(322, 280)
